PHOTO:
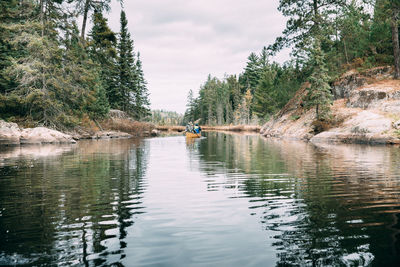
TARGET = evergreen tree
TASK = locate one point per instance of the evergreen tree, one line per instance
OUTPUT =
(190, 107)
(319, 93)
(234, 91)
(265, 102)
(40, 75)
(86, 92)
(85, 6)
(102, 50)
(127, 94)
(251, 75)
(263, 59)
(394, 6)
(8, 14)
(142, 94)
(307, 18)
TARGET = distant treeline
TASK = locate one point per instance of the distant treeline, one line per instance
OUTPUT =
(162, 117)
(52, 74)
(327, 38)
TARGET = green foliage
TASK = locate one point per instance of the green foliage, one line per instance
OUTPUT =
(163, 117)
(319, 93)
(190, 107)
(50, 76)
(142, 101)
(251, 75)
(102, 50)
(222, 102)
(294, 117)
(99, 108)
(327, 38)
(125, 96)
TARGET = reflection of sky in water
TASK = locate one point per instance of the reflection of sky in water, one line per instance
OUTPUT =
(223, 200)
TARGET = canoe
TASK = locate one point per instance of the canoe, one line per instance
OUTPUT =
(193, 135)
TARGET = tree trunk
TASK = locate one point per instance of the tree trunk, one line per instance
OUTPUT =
(316, 16)
(42, 15)
(395, 40)
(85, 15)
(345, 51)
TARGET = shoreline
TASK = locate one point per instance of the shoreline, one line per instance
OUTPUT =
(226, 128)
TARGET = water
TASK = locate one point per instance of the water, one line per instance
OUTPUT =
(223, 200)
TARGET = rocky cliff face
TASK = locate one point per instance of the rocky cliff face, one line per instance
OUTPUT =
(366, 109)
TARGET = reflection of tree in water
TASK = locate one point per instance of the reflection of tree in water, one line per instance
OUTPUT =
(320, 206)
(73, 209)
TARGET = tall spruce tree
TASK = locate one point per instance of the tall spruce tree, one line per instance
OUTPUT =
(251, 75)
(102, 50)
(127, 89)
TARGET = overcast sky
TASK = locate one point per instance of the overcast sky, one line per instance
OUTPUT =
(182, 41)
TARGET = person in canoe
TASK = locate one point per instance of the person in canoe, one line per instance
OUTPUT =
(189, 128)
(197, 128)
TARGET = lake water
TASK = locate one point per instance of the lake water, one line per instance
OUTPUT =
(222, 200)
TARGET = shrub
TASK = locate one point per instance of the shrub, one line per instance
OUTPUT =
(359, 130)
(320, 126)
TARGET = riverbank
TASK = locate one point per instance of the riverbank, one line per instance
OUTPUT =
(224, 128)
(366, 109)
(118, 125)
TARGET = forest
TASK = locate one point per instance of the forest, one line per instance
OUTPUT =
(326, 38)
(56, 73)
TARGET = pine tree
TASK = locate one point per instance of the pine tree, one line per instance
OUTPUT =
(83, 8)
(307, 18)
(319, 93)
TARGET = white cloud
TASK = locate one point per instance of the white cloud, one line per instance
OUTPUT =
(182, 41)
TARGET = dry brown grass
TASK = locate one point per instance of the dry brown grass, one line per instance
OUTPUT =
(233, 128)
(132, 127)
(171, 128)
(383, 85)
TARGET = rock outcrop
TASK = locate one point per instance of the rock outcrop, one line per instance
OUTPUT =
(11, 134)
(366, 110)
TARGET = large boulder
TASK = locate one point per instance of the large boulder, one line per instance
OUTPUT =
(42, 135)
(9, 133)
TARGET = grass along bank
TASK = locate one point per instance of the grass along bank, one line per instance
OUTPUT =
(232, 128)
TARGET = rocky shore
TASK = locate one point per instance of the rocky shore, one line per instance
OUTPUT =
(12, 134)
(366, 109)
(118, 125)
